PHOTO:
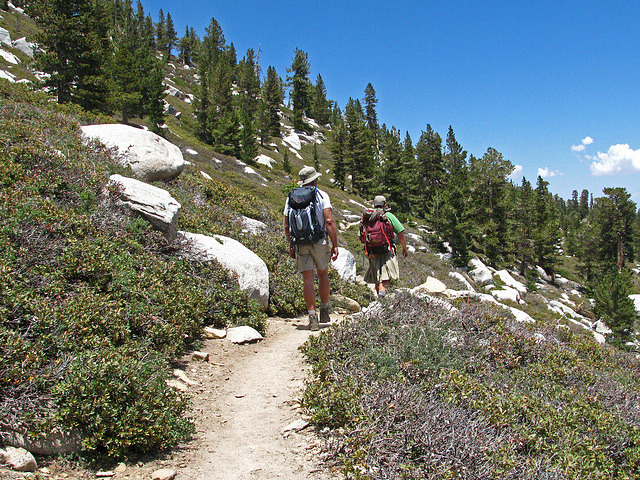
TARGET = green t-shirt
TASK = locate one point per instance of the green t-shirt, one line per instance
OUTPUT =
(397, 226)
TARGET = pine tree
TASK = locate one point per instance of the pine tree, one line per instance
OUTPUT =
(393, 172)
(321, 106)
(248, 141)
(74, 45)
(453, 219)
(218, 122)
(248, 86)
(135, 74)
(523, 224)
(300, 87)
(188, 46)
(316, 158)
(614, 216)
(613, 305)
(411, 181)
(286, 165)
(170, 38)
(370, 102)
(431, 164)
(546, 229)
(358, 150)
(272, 96)
(161, 29)
(488, 180)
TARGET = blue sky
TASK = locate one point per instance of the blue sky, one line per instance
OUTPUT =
(552, 85)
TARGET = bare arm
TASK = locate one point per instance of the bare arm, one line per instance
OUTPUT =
(330, 225)
(403, 242)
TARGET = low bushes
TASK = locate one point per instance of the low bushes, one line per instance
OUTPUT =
(412, 389)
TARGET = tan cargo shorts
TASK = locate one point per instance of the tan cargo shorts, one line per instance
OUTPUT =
(318, 254)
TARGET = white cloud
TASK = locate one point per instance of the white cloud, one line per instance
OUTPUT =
(619, 159)
(580, 148)
(516, 174)
(546, 173)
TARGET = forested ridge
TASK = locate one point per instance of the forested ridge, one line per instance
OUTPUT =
(470, 201)
(109, 60)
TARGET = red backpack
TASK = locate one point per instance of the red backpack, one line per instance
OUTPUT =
(376, 231)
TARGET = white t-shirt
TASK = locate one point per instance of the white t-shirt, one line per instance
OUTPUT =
(322, 201)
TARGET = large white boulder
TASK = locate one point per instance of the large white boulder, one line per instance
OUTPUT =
(432, 285)
(480, 272)
(154, 204)
(5, 36)
(25, 47)
(253, 275)
(510, 281)
(345, 264)
(150, 156)
(636, 301)
(507, 293)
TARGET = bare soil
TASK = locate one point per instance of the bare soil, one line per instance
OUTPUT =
(244, 398)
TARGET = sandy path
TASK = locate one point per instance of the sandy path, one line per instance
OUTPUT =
(246, 395)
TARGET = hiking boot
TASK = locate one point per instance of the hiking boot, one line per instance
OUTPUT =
(324, 315)
(314, 326)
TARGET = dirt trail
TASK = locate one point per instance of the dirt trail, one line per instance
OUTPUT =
(247, 395)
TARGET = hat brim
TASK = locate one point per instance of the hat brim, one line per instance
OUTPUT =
(309, 180)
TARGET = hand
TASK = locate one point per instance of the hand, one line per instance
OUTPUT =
(405, 252)
(334, 253)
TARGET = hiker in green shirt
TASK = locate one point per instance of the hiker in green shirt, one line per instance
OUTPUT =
(383, 263)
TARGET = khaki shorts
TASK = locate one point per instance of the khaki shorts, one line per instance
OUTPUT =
(382, 267)
(318, 254)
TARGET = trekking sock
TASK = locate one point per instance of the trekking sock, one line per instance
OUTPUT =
(312, 312)
(324, 305)
(382, 293)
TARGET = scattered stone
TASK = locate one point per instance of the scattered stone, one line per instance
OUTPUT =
(178, 385)
(105, 474)
(179, 374)
(202, 356)
(215, 333)
(253, 274)
(347, 303)
(295, 426)
(164, 474)
(121, 468)
(480, 273)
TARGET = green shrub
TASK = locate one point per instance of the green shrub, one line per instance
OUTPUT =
(119, 401)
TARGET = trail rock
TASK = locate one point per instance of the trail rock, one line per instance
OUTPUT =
(244, 334)
(19, 459)
(347, 303)
(164, 474)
